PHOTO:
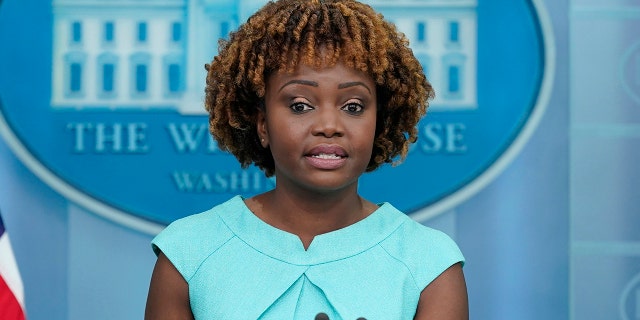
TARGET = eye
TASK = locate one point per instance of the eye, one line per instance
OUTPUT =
(300, 107)
(353, 108)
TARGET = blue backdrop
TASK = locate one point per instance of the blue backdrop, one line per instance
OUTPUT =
(551, 232)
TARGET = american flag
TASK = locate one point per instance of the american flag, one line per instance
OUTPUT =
(11, 290)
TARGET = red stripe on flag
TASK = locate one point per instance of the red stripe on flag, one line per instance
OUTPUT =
(10, 309)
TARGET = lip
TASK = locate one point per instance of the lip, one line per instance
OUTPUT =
(327, 157)
(327, 149)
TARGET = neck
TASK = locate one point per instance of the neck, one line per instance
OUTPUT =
(308, 215)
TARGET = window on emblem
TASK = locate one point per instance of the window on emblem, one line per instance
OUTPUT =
(107, 77)
(421, 32)
(454, 79)
(224, 29)
(141, 74)
(108, 31)
(141, 78)
(142, 32)
(454, 76)
(75, 77)
(74, 74)
(108, 72)
(176, 32)
(454, 32)
(174, 78)
(76, 32)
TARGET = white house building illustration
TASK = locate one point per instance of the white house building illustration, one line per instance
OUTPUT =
(141, 54)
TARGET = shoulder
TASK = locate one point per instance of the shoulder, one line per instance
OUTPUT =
(186, 242)
(424, 251)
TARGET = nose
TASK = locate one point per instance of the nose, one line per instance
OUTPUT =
(328, 122)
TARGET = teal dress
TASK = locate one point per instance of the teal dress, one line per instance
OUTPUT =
(239, 267)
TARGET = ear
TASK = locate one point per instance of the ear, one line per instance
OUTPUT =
(261, 127)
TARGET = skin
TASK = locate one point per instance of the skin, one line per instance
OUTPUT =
(445, 298)
(335, 108)
(168, 297)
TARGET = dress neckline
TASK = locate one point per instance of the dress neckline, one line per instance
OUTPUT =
(326, 247)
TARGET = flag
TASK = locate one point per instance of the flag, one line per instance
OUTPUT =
(11, 290)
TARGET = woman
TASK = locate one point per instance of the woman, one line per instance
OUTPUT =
(315, 93)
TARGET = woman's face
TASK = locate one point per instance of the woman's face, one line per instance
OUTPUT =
(320, 126)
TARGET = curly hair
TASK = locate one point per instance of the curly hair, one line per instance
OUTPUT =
(286, 33)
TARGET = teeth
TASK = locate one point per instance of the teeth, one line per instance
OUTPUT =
(326, 156)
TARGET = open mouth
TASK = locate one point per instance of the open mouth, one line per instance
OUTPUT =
(327, 156)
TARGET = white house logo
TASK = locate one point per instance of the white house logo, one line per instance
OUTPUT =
(107, 108)
(630, 72)
(629, 306)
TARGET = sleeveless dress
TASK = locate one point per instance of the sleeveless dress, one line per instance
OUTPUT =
(239, 267)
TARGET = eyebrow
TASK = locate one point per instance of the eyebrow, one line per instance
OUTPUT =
(352, 84)
(305, 82)
(315, 84)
